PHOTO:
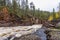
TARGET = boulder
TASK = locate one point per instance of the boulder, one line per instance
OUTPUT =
(58, 25)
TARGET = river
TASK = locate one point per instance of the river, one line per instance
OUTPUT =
(19, 30)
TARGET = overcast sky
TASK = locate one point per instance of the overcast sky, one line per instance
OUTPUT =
(47, 5)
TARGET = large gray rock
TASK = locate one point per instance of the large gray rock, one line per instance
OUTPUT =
(58, 25)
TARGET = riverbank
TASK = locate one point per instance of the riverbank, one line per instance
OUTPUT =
(54, 34)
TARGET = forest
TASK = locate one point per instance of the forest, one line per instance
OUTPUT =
(19, 12)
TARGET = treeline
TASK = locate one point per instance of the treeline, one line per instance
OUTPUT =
(22, 8)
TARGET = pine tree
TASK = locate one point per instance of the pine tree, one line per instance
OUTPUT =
(19, 3)
(23, 3)
(38, 13)
(8, 3)
(59, 10)
(32, 6)
(26, 10)
(33, 10)
(59, 7)
(15, 6)
(54, 14)
(2, 2)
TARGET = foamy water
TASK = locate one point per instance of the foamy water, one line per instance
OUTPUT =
(18, 31)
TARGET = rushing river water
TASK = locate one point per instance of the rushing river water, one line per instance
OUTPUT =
(39, 32)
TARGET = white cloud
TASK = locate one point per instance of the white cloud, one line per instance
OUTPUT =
(47, 5)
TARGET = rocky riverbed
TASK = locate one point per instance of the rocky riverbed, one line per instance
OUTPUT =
(54, 34)
(34, 32)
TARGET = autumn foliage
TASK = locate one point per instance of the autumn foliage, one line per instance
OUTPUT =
(6, 15)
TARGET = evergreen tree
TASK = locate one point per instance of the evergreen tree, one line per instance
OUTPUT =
(33, 10)
(19, 3)
(38, 13)
(0, 2)
(54, 14)
(59, 7)
(3, 2)
(15, 6)
(8, 3)
(59, 10)
(26, 10)
(23, 4)
(32, 6)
